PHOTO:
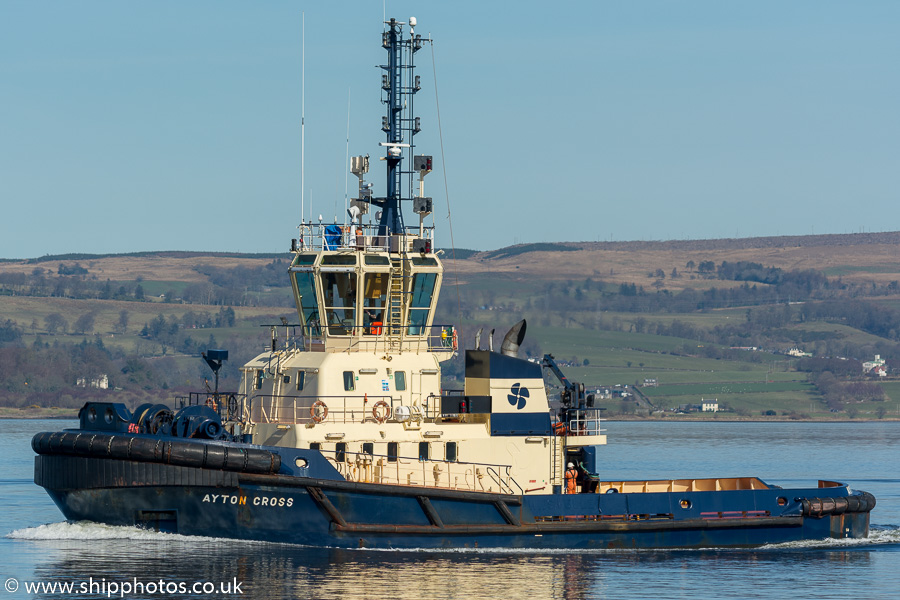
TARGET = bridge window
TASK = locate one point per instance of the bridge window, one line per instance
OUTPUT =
(307, 305)
(392, 452)
(424, 261)
(340, 452)
(368, 448)
(339, 302)
(339, 259)
(420, 302)
(374, 300)
(259, 379)
(315, 446)
(424, 451)
(400, 380)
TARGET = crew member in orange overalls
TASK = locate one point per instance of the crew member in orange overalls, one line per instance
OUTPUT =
(571, 479)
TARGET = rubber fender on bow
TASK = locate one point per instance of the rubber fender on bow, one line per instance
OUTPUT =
(822, 507)
(149, 449)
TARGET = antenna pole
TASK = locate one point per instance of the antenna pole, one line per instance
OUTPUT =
(400, 123)
(302, 115)
(347, 161)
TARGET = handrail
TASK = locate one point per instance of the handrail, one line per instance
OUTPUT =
(317, 236)
(348, 408)
(294, 410)
(403, 470)
(438, 338)
(229, 405)
(583, 421)
(499, 480)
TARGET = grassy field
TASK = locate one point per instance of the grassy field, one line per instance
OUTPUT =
(28, 310)
(603, 344)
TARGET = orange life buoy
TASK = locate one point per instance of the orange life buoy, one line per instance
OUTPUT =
(318, 415)
(387, 411)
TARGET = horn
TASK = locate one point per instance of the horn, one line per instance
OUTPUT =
(513, 339)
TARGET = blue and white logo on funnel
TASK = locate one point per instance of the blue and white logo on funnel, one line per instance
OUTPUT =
(518, 395)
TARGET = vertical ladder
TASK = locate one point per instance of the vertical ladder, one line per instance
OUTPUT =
(557, 468)
(396, 306)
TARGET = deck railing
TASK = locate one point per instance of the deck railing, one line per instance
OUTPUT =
(229, 405)
(359, 338)
(301, 410)
(399, 470)
(584, 421)
(336, 236)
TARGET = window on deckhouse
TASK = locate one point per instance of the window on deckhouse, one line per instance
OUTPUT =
(307, 305)
(339, 302)
(374, 301)
(420, 302)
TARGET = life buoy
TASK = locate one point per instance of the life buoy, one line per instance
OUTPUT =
(455, 341)
(318, 415)
(375, 327)
(559, 428)
(387, 411)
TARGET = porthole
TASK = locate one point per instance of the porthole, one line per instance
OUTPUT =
(301, 462)
(685, 503)
(782, 501)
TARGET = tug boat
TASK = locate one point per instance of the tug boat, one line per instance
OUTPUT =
(340, 434)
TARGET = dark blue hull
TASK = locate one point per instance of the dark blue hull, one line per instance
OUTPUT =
(331, 512)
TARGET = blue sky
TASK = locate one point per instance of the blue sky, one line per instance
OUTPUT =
(176, 125)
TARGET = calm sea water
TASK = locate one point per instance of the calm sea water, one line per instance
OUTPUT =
(36, 545)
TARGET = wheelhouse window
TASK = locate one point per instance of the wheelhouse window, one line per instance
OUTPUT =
(339, 302)
(424, 450)
(315, 446)
(374, 301)
(307, 305)
(259, 379)
(340, 452)
(349, 381)
(400, 380)
(420, 302)
(368, 448)
(301, 380)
